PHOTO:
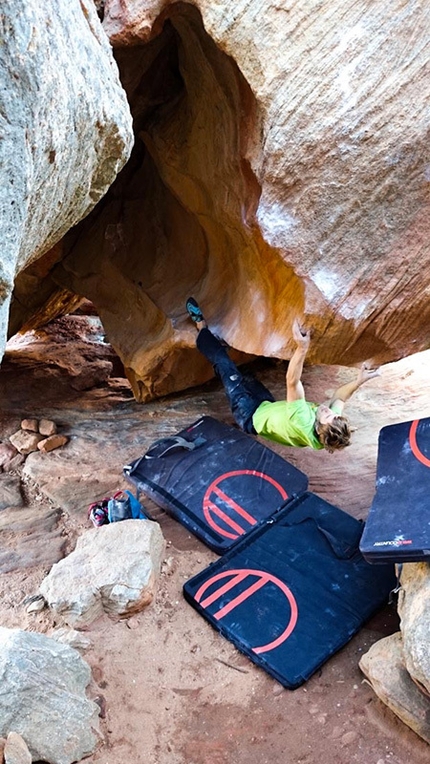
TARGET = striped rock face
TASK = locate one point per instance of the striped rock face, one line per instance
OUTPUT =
(65, 128)
(281, 169)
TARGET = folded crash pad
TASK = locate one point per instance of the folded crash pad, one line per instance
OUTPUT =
(294, 590)
(398, 525)
(216, 480)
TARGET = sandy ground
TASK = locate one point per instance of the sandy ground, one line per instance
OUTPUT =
(172, 690)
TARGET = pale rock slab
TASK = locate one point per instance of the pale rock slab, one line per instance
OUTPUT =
(16, 750)
(384, 667)
(414, 611)
(67, 128)
(113, 570)
(29, 538)
(29, 520)
(58, 481)
(43, 697)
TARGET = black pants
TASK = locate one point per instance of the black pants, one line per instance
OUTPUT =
(244, 393)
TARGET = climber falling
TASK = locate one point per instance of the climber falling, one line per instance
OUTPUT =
(293, 422)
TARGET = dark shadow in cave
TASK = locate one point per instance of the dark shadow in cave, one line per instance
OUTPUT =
(193, 114)
(153, 221)
(177, 218)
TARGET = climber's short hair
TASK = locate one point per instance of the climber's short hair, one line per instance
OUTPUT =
(335, 435)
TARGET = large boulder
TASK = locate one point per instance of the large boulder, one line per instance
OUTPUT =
(398, 667)
(42, 697)
(66, 131)
(281, 168)
(114, 569)
(414, 612)
(385, 669)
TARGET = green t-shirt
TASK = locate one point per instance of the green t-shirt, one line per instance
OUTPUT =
(291, 424)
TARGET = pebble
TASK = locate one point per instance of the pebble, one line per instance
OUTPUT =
(30, 424)
(336, 732)
(278, 689)
(349, 737)
(47, 427)
(71, 637)
(132, 623)
(49, 444)
(36, 605)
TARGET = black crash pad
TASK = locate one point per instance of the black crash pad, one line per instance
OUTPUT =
(225, 486)
(294, 590)
(398, 525)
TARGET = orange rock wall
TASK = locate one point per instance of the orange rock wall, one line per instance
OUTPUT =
(281, 168)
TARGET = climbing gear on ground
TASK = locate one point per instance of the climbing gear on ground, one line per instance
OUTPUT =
(98, 513)
(165, 446)
(121, 506)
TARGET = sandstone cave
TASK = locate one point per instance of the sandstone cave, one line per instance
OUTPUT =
(272, 161)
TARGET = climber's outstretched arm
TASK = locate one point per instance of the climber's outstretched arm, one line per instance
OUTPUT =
(295, 390)
(342, 394)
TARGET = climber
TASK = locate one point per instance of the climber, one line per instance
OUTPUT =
(294, 422)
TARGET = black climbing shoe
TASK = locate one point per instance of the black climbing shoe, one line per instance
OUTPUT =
(194, 311)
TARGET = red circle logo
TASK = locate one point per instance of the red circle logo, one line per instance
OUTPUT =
(414, 445)
(237, 577)
(220, 507)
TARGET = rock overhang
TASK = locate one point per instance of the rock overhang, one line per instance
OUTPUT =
(268, 191)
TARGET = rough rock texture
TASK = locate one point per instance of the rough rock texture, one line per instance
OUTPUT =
(10, 493)
(71, 637)
(414, 612)
(72, 346)
(398, 667)
(7, 453)
(30, 424)
(42, 697)
(16, 750)
(25, 441)
(114, 569)
(51, 443)
(14, 463)
(47, 427)
(23, 535)
(66, 130)
(384, 667)
(281, 168)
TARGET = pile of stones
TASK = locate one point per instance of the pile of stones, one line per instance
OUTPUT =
(37, 435)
